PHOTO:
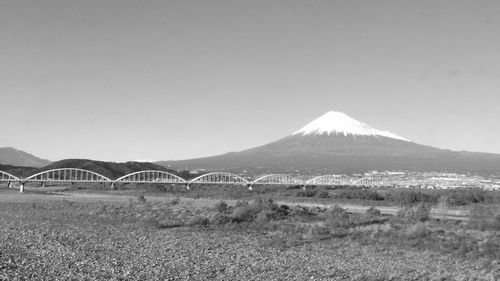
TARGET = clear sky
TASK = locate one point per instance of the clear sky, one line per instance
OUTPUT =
(162, 80)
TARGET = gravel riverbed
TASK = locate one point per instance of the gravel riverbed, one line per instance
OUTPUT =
(67, 241)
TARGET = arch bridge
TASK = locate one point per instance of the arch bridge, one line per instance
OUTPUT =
(76, 175)
(150, 176)
(67, 175)
(372, 182)
(276, 179)
(329, 180)
(218, 178)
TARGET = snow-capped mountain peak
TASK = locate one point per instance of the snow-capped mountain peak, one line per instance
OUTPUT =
(339, 123)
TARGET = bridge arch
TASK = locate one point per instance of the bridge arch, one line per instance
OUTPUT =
(150, 176)
(276, 179)
(9, 178)
(67, 175)
(361, 181)
(329, 180)
(371, 181)
(218, 178)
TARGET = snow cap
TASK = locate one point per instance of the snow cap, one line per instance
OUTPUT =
(334, 122)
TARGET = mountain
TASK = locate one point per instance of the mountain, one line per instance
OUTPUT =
(14, 157)
(110, 170)
(18, 171)
(337, 143)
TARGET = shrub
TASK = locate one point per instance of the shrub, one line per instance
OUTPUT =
(324, 194)
(418, 213)
(175, 201)
(241, 204)
(484, 218)
(373, 212)
(260, 204)
(409, 197)
(360, 194)
(222, 207)
(219, 218)
(241, 214)
(454, 201)
(198, 220)
(302, 211)
(421, 212)
(263, 216)
(151, 222)
(319, 231)
(281, 211)
(248, 211)
(141, 199)
(462, 197)
(306, 193)
(455, 197)
(337, 217)
(418, 231)
(379, 230)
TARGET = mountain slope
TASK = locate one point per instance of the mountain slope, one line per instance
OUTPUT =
(14, 157)
(336, 143)
(18, 171)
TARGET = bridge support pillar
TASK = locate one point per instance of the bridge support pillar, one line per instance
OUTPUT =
(113, 187)
(21, 187)
(9, 184)
(187, 186)
(42, 184)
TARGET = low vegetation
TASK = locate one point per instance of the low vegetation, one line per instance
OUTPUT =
(103, 238)
(411, 196)
(289, 226)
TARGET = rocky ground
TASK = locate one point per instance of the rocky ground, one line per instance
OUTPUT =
(58, 239)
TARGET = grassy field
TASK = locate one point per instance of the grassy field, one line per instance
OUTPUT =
(146, 233)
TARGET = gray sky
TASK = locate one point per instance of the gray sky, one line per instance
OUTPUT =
(159, 80)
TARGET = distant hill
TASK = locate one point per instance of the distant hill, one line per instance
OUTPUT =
(18, 171)
(111, 170)
(15, 157)
(336, 143)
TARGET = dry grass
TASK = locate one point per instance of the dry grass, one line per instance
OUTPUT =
(121, 238)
